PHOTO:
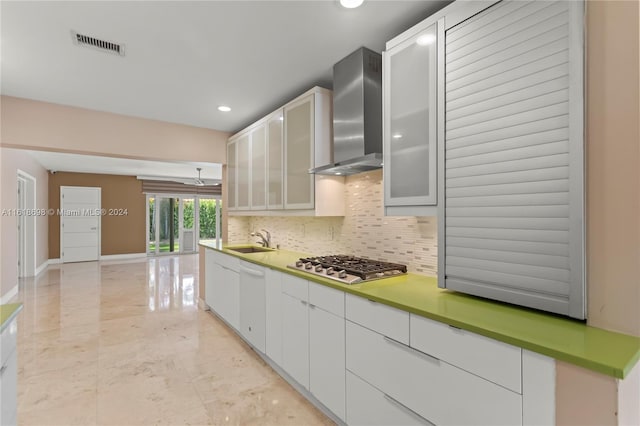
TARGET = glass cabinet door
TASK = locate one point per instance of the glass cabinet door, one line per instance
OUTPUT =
(299, 140)
(232, 168)
(243, 173)
(410, 117)
(258, 168)
(274, 160)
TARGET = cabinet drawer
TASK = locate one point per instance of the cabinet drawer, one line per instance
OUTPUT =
(366, 405)
(8, 341)
(228, 261)
(376, 316)
(495, 361)
(439, 392)
(327, 298)
(295, 287)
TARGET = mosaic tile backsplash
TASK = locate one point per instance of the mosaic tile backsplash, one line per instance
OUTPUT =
(364, 230)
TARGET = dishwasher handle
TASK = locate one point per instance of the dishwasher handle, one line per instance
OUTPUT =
(252, 271)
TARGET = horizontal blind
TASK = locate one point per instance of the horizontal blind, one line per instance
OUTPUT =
(168, 187)
(513, 156)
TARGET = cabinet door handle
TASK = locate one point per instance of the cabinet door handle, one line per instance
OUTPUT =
(252, 272)
(406, 409)
(3, 369)
(312, 306)
(412, 350)
(456, 329)
(303, 302)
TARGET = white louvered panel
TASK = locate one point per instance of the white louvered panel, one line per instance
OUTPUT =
(508, 155)
(511, 99)
(561, 185)
(510, 166)
(552, 249)
(545, 20)
(509, 211)
(545, 47)
(508, 88)
(540, 138)
(509, 280)
(489, 18)
(551, 261)
(551, 173)
(526, 67)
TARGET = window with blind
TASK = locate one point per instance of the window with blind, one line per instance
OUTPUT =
(513, 225)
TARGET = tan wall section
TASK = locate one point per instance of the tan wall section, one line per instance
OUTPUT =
(613, 166)
(120, 234)
(51, 127)
(613, 212)
(13, 160)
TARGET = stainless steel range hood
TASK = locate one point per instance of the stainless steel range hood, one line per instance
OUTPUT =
(357, 114)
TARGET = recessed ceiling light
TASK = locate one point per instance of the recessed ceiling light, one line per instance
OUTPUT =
(351, 4)
(397, 136)
(224, 108)
(281, 118)
(338, 173)
(426, 39)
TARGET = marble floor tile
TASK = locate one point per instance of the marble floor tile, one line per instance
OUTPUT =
(123, 343)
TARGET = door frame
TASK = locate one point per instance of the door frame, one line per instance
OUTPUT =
(26, 225)
(99, 230)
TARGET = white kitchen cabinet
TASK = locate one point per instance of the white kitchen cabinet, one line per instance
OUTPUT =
(410, 114)
(232, 175)
(274, 179)
(327, 347)
(275, 166)
(295, 329)
(258, 167)
(243, 173)
(252, 304)
(273, 313)
(222, 281)
(379, 317)
(512, 156)
(212, 274)
(9, 375)
(299, 124)
(439, 392)
(370, 407)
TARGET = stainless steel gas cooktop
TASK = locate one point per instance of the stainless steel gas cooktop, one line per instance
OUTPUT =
(348, 269)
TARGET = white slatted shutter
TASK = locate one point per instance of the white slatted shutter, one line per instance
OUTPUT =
(513, 147)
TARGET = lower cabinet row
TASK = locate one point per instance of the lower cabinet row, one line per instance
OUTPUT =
(371, 364)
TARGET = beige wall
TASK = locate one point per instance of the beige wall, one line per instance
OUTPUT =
(51, 127)
(12, 161)
(120, 234)
(613, 212)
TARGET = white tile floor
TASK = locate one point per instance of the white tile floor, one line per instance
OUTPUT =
(125, 344)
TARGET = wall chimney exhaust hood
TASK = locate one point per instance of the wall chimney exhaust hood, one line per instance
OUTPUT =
(357, 114)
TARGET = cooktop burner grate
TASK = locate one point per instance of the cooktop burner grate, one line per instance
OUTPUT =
(366, 269)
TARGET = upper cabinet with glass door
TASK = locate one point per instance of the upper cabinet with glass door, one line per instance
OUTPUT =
(410, 90)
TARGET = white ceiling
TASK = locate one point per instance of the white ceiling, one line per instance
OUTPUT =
(183, 58)
(179, 171)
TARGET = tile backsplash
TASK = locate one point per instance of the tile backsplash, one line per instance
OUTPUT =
(363, 231)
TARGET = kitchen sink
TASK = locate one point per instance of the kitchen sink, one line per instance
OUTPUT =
(249, 249)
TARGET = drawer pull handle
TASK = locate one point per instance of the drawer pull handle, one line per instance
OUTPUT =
(456, 329)
(3, 369)
(406, 409)
(412, 350)
(312, 306)
(303, 302)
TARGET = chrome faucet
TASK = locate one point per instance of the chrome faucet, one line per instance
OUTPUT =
(265, 239)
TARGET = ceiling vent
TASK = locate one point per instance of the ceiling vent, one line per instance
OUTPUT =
(95, 43)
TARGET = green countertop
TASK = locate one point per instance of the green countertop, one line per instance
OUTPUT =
(8, 313)
(606, 352)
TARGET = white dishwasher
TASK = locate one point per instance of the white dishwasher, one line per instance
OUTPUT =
(252, 304)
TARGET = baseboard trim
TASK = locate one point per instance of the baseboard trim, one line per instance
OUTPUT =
(9, 295)
(42, 267)
(123, 256)
(54, 261)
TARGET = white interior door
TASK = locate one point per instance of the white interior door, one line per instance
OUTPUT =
(79, 223)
